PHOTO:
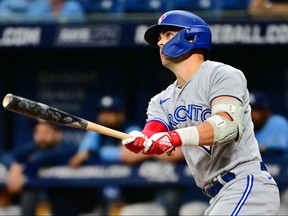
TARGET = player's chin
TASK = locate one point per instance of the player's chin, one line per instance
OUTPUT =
(166, 61)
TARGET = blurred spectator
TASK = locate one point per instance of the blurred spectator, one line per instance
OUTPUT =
(268, 7)
(13, 8)
(182, 200)
(110, 113)
(171, 197)
(138, 200)
(49, 9)
(23, 162)
(70, 10)
(271, 130)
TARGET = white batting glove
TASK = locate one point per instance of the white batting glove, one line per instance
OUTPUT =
(136, 142)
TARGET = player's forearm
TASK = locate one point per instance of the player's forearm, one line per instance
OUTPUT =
(202, 135)
(177, 156)
(194, 136)
(206, 134)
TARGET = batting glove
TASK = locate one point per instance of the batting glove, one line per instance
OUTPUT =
(163, 142)
(136, 142)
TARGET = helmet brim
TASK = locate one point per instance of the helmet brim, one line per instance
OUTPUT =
(152, 34)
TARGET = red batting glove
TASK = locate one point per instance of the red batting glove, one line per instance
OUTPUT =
(136, 142)
(163, 142)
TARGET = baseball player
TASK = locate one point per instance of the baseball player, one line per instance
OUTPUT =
(206, 112)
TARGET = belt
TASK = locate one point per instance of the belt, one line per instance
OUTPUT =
(213, 189)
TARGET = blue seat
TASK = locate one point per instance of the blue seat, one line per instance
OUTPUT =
(182, 5)
(102, 6)
(235, 4)
(136, 6)
(160, 6)
(206, 5)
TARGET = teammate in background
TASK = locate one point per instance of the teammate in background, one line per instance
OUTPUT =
(268, 7)
(23, 161)
(110, 112)
(10, 9)
(41, 9)
(181, 200)
(206, 112)
(68, 10)
(94, 146)
(271, 130)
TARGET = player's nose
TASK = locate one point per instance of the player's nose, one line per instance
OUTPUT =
(160, 43)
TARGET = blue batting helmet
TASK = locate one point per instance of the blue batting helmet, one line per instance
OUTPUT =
(191, 25)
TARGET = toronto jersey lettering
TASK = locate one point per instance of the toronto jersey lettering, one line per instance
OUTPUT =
(191, 105)
(192, 111)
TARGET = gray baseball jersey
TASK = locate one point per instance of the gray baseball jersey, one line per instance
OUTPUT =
(191, 105)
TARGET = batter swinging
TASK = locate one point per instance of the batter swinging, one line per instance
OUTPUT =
(206, 112)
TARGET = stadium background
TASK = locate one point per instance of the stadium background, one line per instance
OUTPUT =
(70, 64)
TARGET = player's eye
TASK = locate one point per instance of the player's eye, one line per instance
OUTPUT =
(169, 34)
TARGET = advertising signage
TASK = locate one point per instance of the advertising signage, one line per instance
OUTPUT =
(132, 34)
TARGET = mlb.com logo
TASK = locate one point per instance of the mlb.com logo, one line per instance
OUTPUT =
(162, 18)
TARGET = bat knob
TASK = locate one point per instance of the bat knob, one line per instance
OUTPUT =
(6, 100)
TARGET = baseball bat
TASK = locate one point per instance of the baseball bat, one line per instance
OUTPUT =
(42, 111)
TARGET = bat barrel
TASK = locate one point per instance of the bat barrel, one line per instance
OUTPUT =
(38, 110)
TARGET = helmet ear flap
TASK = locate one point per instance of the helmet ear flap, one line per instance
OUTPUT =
(178, 45)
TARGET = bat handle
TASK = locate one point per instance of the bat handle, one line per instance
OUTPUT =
(106, 131)
(114, 133)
